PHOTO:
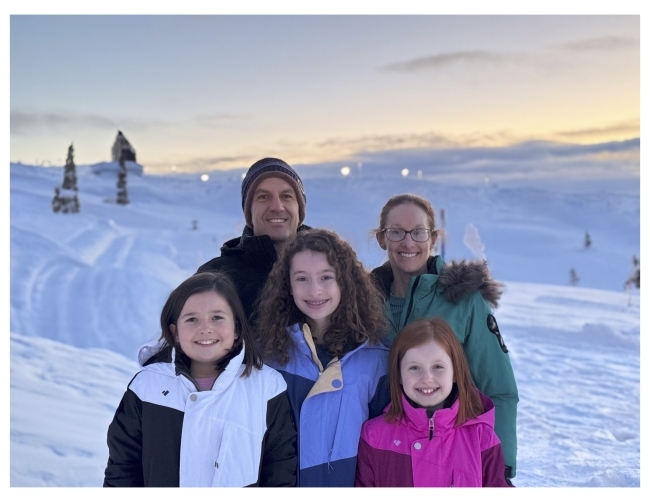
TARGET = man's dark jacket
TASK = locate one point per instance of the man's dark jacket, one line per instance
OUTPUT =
(248, 260)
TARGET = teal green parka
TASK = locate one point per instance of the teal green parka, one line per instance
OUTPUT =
(462, 293)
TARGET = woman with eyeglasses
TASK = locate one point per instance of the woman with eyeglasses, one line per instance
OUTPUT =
(418, 285)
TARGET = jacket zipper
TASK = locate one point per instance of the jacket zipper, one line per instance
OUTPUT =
(430, 428)
(410, 305)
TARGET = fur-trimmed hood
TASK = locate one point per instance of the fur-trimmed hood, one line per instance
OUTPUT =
(459, 279)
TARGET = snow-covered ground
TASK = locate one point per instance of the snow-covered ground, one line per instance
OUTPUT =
(87, 289)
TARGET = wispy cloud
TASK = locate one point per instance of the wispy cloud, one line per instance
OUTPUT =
(630, 127)
(542, 157)
(600, 44)
(383, 142)
(202, 163)
(386, 142)
(22, 123)
(451, 58)
(219, 120)
(448, 59)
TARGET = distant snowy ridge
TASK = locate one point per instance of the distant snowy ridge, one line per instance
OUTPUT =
(99, 278)
(112, 168)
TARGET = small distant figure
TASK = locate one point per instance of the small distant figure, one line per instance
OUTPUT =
(587, 240)
(573, 277)
(74, 205)
(195, 225)
(56, 201)
(635, 275)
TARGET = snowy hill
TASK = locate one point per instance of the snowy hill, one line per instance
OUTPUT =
(87, 289)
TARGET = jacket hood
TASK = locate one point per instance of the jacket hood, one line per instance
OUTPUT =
(331, 377)
(159, 352)
(298, 330)
(458, 279)
(153, 352)
(444, 419)
(461, 279)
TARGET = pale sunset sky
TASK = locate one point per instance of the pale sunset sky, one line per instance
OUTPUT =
(203, 92)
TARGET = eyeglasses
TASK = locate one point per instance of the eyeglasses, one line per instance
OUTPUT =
(398, 234)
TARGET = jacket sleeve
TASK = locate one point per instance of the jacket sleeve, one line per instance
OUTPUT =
(279, 458)
(365, 476)
(124, 440)
(492, 373)
(493, 467)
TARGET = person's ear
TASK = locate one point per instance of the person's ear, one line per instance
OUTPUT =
(381, 240)
(172, 328)
(434, 238)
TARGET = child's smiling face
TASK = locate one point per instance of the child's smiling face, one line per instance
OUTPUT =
(205, 330)
(314, 287)
(427, 374)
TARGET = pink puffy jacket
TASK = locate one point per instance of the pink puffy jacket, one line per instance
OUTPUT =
(418, 451)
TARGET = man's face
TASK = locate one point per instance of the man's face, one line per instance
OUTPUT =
(275, 210)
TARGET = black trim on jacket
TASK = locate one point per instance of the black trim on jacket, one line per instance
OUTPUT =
(144, 439)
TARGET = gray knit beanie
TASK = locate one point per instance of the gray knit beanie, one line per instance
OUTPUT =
(271, 168)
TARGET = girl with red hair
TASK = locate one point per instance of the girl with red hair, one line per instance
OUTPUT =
(438, 429)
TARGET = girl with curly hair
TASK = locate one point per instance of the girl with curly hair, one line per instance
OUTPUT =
(319, 323)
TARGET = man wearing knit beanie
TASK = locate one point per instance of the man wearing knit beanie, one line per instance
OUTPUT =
(274, 202)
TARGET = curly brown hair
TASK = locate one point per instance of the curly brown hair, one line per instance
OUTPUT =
(357, 318)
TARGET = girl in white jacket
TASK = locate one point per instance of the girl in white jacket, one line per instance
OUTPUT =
(204, 410)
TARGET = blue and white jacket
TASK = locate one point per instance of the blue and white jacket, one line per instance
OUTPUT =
(167, 433)
(330, 405)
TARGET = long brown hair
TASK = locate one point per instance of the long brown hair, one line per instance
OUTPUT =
(358, 317)
(221, 284)
(416, 334)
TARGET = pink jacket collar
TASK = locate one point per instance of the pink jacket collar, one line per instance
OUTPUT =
(444, 418)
